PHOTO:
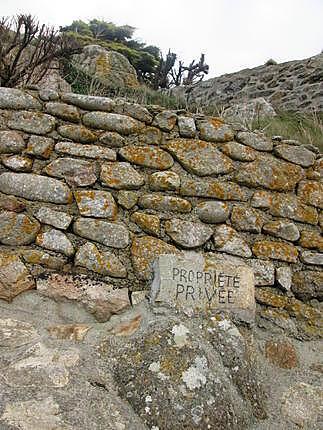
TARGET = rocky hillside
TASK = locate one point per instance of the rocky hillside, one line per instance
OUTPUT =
(294, 85)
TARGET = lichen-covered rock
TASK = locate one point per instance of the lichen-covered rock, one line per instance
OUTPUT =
(247, 219)
(271, 173)
(98, 204)
(112, 122)
(104, 263)
(284, 277)
(127, 199)
(11, 142)
(11, 203)
(262, 199)
(12, 98)
(121, 176)
(14, 276)
(226, 239)
(165, 120)
(275, 251)
(40, 146)
(164, 181)
(295, 154)
(31, 122)
(17, 163)
(160, 202)
(311, 239)
(144, 250)
(257, 141)
(186, 126)
(308, 285)
(110, 234)
(282, 228)
(148, 223)
(316, 171)
(213, 212)
(88, 102)
(99, 298)
(147, 156)
(281, 353)
(36, 256)
(199, 157)
(290, 206)
(87, 151)
(311, 192)
(213, 189)
(63, 111)
(134, 110)
(310, 257)
(76, 172)
(77, 133)
(188, 234)
(113, 139)
(17, 229)
(55, 240)
(150, 136)
(215, 130)
(57, 219)
(239, 152)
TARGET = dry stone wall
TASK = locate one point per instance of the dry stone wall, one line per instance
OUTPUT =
(99, 188)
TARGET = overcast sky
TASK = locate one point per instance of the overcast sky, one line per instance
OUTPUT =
(233, 34)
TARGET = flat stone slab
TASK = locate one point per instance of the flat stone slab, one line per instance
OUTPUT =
(196, 284)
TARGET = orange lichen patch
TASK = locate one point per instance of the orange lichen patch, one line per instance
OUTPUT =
(78, 133)
(164, 203)
(121, 175)
(34, 256)
(75, 332)
(213, 189)
(281, 353)
(289, 206)
(216, 122)
(96, 203)
(275, 250)
(147, 156)
(311, 192)
(311, 240)
(144, 250)
(14, 277)
(149, 223)
(199, 157)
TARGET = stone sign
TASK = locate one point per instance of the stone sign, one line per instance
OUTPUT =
(195, 284)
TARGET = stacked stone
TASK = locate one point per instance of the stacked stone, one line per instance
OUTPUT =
(102, 187)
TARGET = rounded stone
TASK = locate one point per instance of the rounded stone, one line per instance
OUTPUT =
(275, 250)
(98, 204)
(239, 152)
(32, 122)
(188, 234)
(11, 142)
(256, 140)
(226, 239)
(121, 176)
(295, 154)
(87, 151)
(63, 111)
(215, 130)
(17, 163)
(212, 212)
(77, 133)
(76, 172)
(308, 285)
(147, 156)
(282, 228)
(148, 223)
(164, 181)
(112, 122)
(159, 202)
(247, 219)
(17, 229)
(55, 240)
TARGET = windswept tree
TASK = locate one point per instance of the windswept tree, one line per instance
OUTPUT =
(28, 48)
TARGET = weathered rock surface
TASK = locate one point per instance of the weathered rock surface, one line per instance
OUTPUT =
(121, 176)
(11, 203)
(76, 172)
(165, 120)
(89, 102)
(198, 157)
(213, 189)
(284, 277)
(110, 234)
(11, 142)
(17, 163)
(148, 223)
(127, 199)
(104, 263)
(311, 192)
(36, 256)
(40, 146)
(55, 240)
(281, 353)
(308, 285)
(112, 122)
(78, 133)
(159, 202)
(247, 219)
(186, 126)
(255, 140)
(249, 111)
(310, 257)
(295, 154)
(113, 139)
(188, 234)
(57, 219)
(214, 130)
(12, 98)
(144, 250)
(282, 228)
(312, 240)
(14, 276)
(270, 173)
(88, 151)
(239, 152)
(63, 111)
(213, 212)
(147, 156)
(164, 181)
(275, 250)
(17, 229)
(98, 204)
(226, 239)
(30, 122)
(35, 187)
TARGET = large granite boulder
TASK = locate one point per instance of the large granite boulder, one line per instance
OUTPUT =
(109, 67)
